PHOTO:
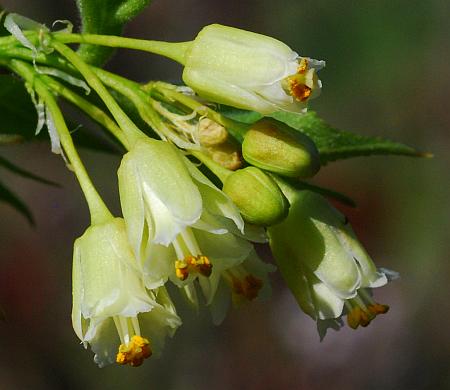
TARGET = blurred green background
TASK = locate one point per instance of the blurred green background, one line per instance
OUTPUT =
(387, 74)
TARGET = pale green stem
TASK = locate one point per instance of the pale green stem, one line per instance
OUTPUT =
(53, 60)
(56, 61)
(126, 124)
(93, 111)
(218, 170)
(98, 210)
(132, 91)
(173, 50)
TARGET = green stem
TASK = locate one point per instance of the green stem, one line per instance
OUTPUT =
(132, 91)
(60, 63)
(127, 125)
(90, 109)
(218, 170)
(173, 50)
(98, 210)
(23, 53)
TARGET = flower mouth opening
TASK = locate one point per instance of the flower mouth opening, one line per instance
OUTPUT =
(301, 85)
(362, 309)
(134, 348)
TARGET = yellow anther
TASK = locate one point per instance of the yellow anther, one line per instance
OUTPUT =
(199, 264)
(203, 265)
(134, 352)
(365, 319)
(354, 318)
(182, 269)
(377, 308)
(302, 66)
(363, 316)
(298, 89)
(300, 84)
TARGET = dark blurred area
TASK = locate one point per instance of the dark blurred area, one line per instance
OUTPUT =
(387, 74)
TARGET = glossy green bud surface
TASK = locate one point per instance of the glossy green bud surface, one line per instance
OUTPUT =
(271, 145)
(257, 196)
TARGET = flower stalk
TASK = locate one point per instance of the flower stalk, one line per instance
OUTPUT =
(98, 210)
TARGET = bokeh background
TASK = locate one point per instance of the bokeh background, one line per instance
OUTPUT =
(387, 74)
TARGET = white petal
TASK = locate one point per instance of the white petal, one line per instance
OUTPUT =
(324, 325)
(226, 93)
(159, 265)
(167, 188)
(274, 93)
(104, 341)
(156, 325)
(77, 293)
(163, 227)
(132, 203)
(326, 303)
(107, 267)
(370, 276)
(224, 251)
(215, 201)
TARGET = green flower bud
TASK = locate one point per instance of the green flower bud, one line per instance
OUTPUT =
(250, 71)
(271, 145)
(257, 196)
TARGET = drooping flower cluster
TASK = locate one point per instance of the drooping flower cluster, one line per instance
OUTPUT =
(181, 228)
(194, 226)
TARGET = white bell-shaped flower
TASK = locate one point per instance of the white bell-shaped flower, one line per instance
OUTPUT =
(112, 310)
(251, 71)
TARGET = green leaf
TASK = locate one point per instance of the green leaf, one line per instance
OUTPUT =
(334, 144)
(22, 172)
(239, 115)
(9, 197)
(105, 17)
(344, 199)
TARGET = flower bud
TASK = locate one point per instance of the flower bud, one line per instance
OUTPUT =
(250, 71)
(272, 146)
(257, 196)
